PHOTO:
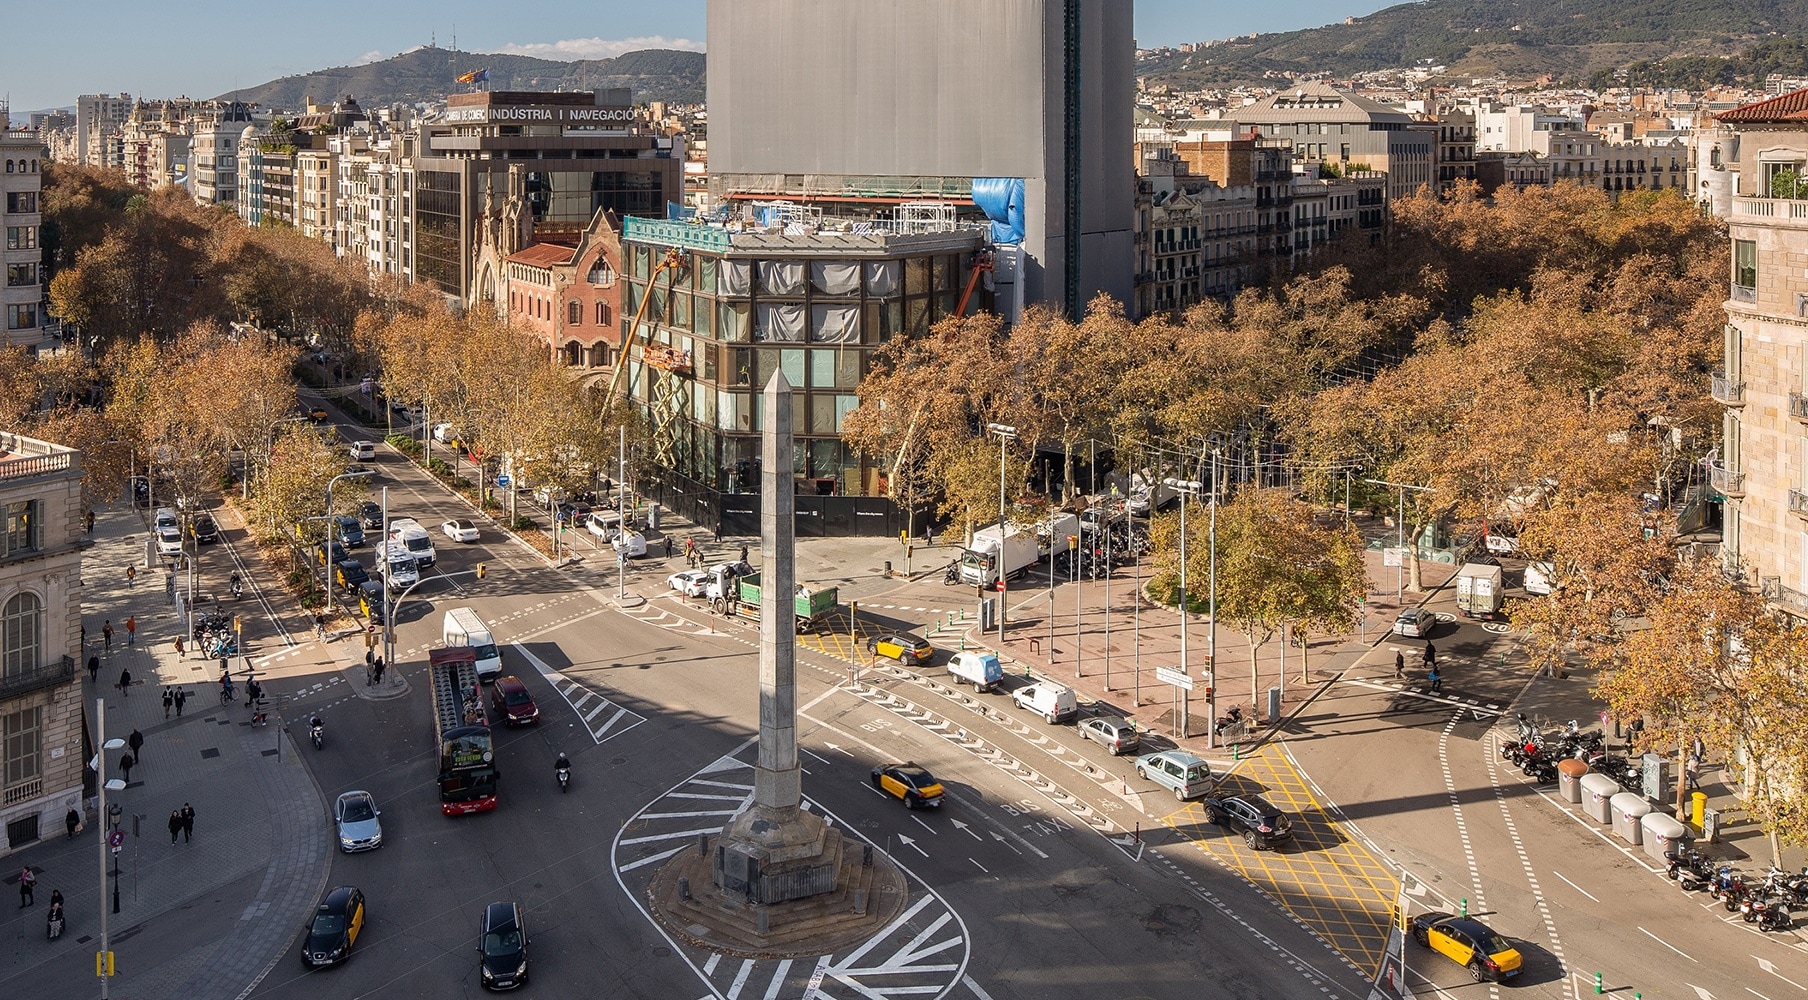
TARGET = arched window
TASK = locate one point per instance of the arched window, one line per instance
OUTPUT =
(601, 274)
(574, 313)
(602, 314)
(21, 626)
(574, 353)
(9, 166)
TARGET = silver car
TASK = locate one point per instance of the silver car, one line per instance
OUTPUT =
(1416, 623)
(355, 814)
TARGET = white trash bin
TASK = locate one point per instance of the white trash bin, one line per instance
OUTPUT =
(1629, 810)
(1664, 834)
(1598, 791)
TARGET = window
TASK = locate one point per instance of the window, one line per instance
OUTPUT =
(22, 317)
(21, 237)
(602, 314)
(574, 313)
(1745, 263)
(23, 735)
(21, 201)
(18, 275)
(20, 628)
(601, 274)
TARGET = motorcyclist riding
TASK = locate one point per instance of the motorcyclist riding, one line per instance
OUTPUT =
(237, 586)
(563, 763)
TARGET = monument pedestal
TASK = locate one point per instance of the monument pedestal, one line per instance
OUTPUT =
(775, 854)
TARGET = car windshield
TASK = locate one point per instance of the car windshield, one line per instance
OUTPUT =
(502, 943)
(419, 544)
(916, 776)
(329, 924)
(358, 810)
(518, 696)
(1492, 943)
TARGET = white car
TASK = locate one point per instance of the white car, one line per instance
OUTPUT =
(632, 545)
(355, 814)
(169, 540)
(690, 583)
(604, 524)
(460, 529)
(1416, 623)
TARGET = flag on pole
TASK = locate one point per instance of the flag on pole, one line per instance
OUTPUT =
(475, 76)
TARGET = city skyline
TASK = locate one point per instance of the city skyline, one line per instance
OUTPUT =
(254, 45)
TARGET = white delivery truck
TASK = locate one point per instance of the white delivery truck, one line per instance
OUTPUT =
(1053, 532)
(414, 538)
(980, 669)
(1538, 577)
(464, 628)
(1478, 590)
(981, 563)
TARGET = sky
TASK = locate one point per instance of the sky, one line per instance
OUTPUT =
(204, 48)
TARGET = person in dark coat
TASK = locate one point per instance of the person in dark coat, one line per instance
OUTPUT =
(72, 820)
(126, 760)
(136, 742)
(169, 702)
(181, 697)
(188, 822)
(94, 668)
(175, 824)
(1399, 664)
(125, 683)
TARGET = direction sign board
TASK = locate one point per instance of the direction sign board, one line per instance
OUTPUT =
(1392, 556)
(1168, 675)
(502, 480)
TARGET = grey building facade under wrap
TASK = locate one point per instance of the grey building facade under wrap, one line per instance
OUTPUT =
(851, 100)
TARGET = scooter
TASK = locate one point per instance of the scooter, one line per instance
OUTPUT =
(238, 589)
(564, 778)
(1775, 916)
(317, 733)
(1689, 870)
(1234, 718)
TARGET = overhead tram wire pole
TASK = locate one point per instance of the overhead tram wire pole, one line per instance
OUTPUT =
(104, 961)
(1005, 433)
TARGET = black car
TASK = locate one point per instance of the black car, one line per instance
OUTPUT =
(350, 574)
(370, 601)
(202, 529)
(350, 531)
(1263, 826)
(371, 513)
(334, 928)
(331, 553)
(502, 940)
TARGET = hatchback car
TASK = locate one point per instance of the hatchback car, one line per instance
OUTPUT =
(334, 927)
(370, 601)
(331, 553)
(203, 529)
(371, 513)
(909, 781)
(1469, 943)
(632, 545)
(502, 941)
(1183, 773)
(510, 701)
(1115, 734)
(1415, 623)
(355, 814)
(349, 530)
(317, 413)
(690, 583)
(460, 529)
(901, 646)
(1263, 826)
(361, 451)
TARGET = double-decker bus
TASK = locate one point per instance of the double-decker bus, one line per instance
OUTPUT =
(467, 755)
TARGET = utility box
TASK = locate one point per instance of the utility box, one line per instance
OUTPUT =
(1274, 705)
(1652, 770)
(1598, 791)
(1664, 834)
(653, 517)
(1569, 779)
(988, 615)
(1629, 811)
(1710, 826)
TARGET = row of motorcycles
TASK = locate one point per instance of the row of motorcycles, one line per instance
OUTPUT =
(214, 635)
(1536, 753)
(1765, 902)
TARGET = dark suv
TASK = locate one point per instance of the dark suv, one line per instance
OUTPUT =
(502, 940)
(510, 701)
(1263, 826)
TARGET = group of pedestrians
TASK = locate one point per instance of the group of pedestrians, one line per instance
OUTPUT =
(174, 697)
(182, 821)
(28, 886)
(1431, 667)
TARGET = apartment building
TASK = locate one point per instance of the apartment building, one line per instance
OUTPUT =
(42, 746)
(1456, 147)
(1505, 128)
(1495, 169)
(1588, 159)
(373, 200)
(1236, 159)
(1762, 465)
(213, 153)
(1330, 124)
(21, 218)
(1195, 237)
(1331, 207)
(98, 118)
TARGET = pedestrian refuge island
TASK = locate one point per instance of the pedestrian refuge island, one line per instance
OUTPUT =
(1629, 810)
(1569, 779)
(1598, 791)
(1664, 834)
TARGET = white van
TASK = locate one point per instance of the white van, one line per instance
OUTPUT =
(1054, 702)
(980, 669)
(397, 568)
(362, 451)
(464, 628)
(414, 538)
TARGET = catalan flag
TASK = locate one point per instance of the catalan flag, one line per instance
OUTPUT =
(475, 76)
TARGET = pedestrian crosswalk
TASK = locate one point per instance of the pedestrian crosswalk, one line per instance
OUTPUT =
(604, 719)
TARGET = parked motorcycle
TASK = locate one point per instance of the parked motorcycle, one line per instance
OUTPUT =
(1775, 916)
(1690, 869)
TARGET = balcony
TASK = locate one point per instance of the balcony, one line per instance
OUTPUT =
(1788, 598)
(60, 671)
(1798, 503)
(1798, 406)
(1729, 392)
(1741, 293)
(1728, 481)
(1778, 209)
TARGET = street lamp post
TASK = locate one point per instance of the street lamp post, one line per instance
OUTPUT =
(99, 763)
(1005, 433)
(366, 474)
(1188, 488)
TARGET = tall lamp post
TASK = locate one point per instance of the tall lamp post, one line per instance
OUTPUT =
(1188, 488)
(103, 786)
(366, 474)
(1005, 433)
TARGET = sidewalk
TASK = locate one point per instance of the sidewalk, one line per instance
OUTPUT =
(261, 841)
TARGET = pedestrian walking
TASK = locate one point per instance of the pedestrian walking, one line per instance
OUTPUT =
(175, 825)
(1399, 664)
(718, 531)
(743, 553)
(125, 683)
(1692, 769)
(136, 742)
(106, 635)
(178, 647)
(188, 822)
(169, 701)
(377, 678)
(1431, 656)
(668, 545)
(28, 884)
(131, 575)
(319, 625)
(72, 821)
(131, 630)
(1437, 681)
(90, 520)
(928, 534)
(93, 668)
(181, 697)
(126, 761)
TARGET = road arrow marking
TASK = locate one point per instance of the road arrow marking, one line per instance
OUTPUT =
(907, 842)
(837, 749)
(1700, 993)
(1000, 838)
(964, 828)
(1768, 966)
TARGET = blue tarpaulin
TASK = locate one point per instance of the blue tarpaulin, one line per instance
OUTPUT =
(1001, 198)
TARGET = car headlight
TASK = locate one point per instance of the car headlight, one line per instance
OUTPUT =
(521, 970)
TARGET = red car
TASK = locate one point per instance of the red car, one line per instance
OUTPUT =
(510, 702)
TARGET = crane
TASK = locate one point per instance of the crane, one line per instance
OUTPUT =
(674, 259)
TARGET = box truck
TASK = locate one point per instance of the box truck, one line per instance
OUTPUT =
(993, 554)
(1478, 591)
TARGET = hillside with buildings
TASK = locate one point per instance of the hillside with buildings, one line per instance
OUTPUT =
(1464, 39)
(430, 73)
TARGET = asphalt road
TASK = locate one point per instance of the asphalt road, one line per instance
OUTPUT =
(1034, 857)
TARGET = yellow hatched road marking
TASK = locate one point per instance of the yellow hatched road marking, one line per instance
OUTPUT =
(1323, 876)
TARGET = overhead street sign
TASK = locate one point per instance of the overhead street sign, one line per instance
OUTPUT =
(1168, 675)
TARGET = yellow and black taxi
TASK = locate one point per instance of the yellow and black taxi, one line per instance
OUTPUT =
(1468, 942)
(911, 782)
(901, 646)
(334, 928)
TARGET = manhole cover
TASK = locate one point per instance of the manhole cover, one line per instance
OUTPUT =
(662, 952)
(618, 761)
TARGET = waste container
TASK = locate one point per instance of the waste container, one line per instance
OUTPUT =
(653, 516)
(1663, 834)
(1628, 811)
(1569, 779)
(1598, 790)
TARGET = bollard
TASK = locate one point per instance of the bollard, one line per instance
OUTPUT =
(1137, 834)
(1234, 748)
(1465, 907)
(1598, 989)
(684, 888)
(866, 856)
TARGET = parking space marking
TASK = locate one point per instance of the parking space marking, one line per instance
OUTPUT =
(1326, 879)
